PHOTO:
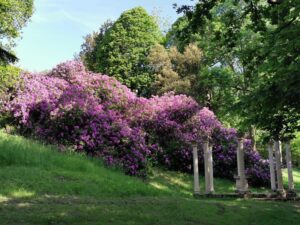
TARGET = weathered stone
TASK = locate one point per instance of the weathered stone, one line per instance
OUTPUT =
(289, 165)
(241, 181)
(196, 170)
(272, 169)
(278, 157)
(208, 168)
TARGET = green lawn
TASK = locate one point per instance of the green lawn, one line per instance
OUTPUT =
(40, 186)
(296, 177)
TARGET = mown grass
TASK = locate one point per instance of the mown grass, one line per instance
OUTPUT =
(296, 178)
(39, 185)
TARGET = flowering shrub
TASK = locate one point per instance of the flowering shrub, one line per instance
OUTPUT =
(96, 114)
(225, 158)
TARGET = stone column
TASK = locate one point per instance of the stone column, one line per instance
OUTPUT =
(243, 184)
(271, 162)
(196, 170)
(278, 157)
(208, 168)
(211, 169)
(288, 157)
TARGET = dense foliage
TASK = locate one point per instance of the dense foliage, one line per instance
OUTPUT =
(123, 50)
(13, 17)
(9, 78)
(96, 114)
(88, 53)
(277, 93)
(258, 44)
(174, 71)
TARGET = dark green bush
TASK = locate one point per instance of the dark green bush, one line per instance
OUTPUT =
(9, 76)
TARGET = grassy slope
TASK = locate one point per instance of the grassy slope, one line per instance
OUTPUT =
(40, 186)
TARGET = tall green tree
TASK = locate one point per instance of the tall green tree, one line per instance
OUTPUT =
(14, 15)
(260, 43)
(123, 51)
(275, 101)
(220, 29)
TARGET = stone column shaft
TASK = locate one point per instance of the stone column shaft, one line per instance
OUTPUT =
(239, 156)
(272, 169)
(288, 156)
(278, 157)
(211, 169)
(196, 170)
(208, 168)
(241, 166)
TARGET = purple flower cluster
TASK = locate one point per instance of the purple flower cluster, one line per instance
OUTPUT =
(225, 158)
(96, 114)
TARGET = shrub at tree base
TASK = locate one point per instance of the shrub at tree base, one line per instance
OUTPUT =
(94, 113)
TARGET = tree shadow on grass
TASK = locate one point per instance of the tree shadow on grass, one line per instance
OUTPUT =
(61, 210)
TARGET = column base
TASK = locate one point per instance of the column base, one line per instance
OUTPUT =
(209, 193)
(243, 192)
(281, 193)
(241, 187)
(291, 194)
(196, 194)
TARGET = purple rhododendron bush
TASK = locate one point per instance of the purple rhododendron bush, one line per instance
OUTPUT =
(96, 114)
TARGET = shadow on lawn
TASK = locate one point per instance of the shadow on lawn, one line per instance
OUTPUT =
(182, 184)
(61, 210)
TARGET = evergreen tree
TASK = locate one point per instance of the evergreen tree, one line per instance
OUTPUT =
(124, 49)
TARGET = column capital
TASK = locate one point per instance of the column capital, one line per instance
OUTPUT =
(205, 139)
(194, 144)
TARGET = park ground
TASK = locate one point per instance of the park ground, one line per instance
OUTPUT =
(39, 185)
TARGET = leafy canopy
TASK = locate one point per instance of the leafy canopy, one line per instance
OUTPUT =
(174, 71)
(123, 51)
(13, 17)
(259, 42)
(91, 43)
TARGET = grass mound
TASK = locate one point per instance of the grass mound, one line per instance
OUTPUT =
(33, 169)
(39, 185)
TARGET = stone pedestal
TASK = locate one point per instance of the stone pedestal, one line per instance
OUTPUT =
(272, 168)
(278, 157)
(208, 168)
(241, 181)
(241, 187)
(288, 157)
(196, 170)
(238, 184)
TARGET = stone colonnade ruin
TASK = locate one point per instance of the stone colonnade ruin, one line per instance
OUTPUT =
(275, 162)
